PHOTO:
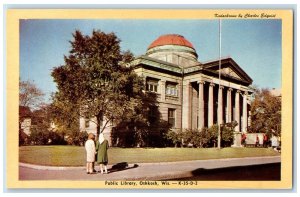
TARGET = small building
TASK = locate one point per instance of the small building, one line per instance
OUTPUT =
(25, 116)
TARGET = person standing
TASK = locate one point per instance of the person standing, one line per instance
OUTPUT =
(102, 156)
(90, 153)
(243, 140)
(257, 141)
(275, 143)
(265, 142)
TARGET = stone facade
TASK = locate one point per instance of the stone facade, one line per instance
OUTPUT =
(202, 99)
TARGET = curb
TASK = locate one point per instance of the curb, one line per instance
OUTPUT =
(223, 159)
(40, 167)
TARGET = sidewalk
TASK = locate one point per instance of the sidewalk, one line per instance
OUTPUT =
(141, 171)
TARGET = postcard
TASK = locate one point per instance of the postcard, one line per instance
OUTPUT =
(149, 98)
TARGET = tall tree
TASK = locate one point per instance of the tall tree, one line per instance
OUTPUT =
(30, 95)
(266, 113)
(96, 80)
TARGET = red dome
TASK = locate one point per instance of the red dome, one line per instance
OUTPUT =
(171, 39)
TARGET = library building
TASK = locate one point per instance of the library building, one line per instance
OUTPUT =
(192, 94)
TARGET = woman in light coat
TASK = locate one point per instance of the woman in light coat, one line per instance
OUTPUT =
(90, 153)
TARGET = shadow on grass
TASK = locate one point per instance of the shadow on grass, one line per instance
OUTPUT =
(264, 172)
(121, 166)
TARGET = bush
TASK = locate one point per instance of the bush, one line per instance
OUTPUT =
(191, 137)
(38, 136)
(77, 138)
(41, 136)
(196, 138)
(176, 137)
(207, 137)
(23, 138)
(226, 135)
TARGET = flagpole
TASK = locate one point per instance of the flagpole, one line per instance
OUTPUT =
(219, 121)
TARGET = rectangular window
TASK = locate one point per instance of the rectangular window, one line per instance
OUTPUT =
(152, 85)
(171, 89)
(171, 117)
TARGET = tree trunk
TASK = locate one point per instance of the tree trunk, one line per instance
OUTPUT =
(98, 124)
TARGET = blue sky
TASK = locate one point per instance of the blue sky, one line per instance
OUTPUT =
(254, 44)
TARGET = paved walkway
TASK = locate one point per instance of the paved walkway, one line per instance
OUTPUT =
(140, 171)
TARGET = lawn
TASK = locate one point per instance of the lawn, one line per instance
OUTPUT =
(75, 155)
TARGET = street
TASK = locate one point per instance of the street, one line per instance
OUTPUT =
(258, 168)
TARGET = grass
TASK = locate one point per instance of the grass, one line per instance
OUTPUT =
(75, 155)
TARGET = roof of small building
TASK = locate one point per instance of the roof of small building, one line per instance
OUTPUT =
(171, 39)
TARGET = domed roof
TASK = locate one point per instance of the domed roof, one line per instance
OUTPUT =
(171, 39)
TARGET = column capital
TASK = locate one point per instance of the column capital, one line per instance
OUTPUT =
(201, 82)
(212, 84)
(221, 87)
(246, 93)
(229, 89)
(238, 91)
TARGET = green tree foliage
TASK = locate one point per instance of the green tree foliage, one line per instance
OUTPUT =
(265, 113)
(96, 81)
(66, 120)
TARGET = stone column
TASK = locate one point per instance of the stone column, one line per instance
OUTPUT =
(211, 105)
(245, 116)
(163, 90)
(201, 105)
(237, 116)
(186, 113)
(220, 105)
(229, 106)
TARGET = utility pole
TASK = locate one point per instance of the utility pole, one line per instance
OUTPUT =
(219, 121)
